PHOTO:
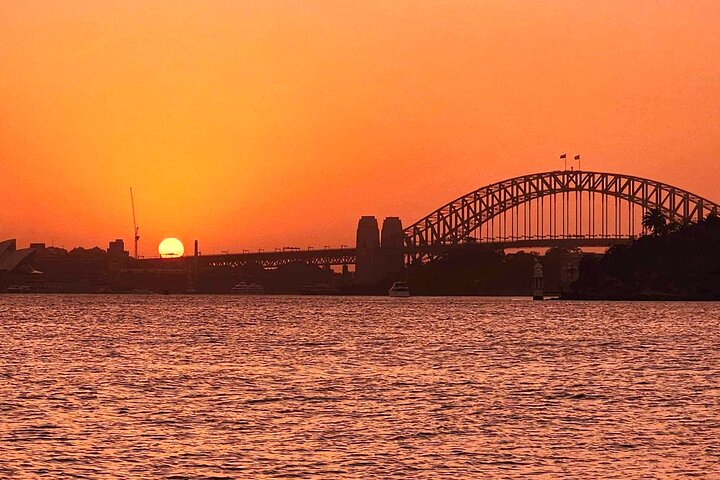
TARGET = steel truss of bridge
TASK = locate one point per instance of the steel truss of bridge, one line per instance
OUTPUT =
(551, 209)
(556, 205)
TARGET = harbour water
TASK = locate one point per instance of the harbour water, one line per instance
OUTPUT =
(357, 387)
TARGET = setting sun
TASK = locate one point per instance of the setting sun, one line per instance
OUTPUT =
(171, 248)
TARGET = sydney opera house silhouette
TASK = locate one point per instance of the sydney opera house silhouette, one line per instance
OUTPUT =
(13, 260)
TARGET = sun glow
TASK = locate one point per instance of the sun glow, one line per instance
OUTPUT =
(171, 248)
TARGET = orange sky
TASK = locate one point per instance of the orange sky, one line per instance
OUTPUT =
(251, 124)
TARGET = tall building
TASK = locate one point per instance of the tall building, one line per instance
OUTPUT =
(117, 248)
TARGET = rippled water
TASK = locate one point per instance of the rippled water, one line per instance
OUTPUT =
(313, 387)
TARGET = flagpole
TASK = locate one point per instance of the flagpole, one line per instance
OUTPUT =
(578, 207)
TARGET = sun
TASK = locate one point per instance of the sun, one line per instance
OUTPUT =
(171, 248)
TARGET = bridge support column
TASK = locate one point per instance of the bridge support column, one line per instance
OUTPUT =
(367, 250)
(391, 245)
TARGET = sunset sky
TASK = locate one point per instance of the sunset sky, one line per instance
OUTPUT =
(264, 123)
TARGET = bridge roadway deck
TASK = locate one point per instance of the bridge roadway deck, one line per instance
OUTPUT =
(326, 257)
(347, 256)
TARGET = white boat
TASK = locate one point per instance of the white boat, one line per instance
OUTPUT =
(248, 288)
(399, 289)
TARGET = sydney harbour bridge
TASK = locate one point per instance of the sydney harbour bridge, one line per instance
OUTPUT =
(568, 208)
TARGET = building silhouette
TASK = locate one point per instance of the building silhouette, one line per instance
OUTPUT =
(12, 259)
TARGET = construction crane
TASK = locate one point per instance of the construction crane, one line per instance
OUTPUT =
(137, 229)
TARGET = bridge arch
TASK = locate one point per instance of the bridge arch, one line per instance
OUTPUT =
(456, 221)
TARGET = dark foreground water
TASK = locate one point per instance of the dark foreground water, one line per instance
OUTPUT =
(301, 387)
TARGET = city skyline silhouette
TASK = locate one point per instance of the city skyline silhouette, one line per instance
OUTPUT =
(268, 124)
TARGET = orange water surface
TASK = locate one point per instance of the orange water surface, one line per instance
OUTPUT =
(336, 387)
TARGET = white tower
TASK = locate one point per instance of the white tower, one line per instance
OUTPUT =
(537, 282)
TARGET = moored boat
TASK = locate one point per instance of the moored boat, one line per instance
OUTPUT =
(399, 289)
(248, 288)
(19, 289)
(319, 289)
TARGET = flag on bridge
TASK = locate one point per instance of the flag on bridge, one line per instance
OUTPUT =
(563, 156)
(577, 157)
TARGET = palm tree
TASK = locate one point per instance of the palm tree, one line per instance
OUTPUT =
(655, 221)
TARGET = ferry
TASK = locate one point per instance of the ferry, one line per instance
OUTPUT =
(248, 288)
(399, 289)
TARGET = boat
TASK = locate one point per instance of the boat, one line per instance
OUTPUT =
(142, 291)
(19, 289)
(251, 288)
(399, 289)
(319, 289)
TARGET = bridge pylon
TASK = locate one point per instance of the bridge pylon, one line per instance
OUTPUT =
(379, 256)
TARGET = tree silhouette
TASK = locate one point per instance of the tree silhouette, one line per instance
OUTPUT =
(655, 221)
(680, 263)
